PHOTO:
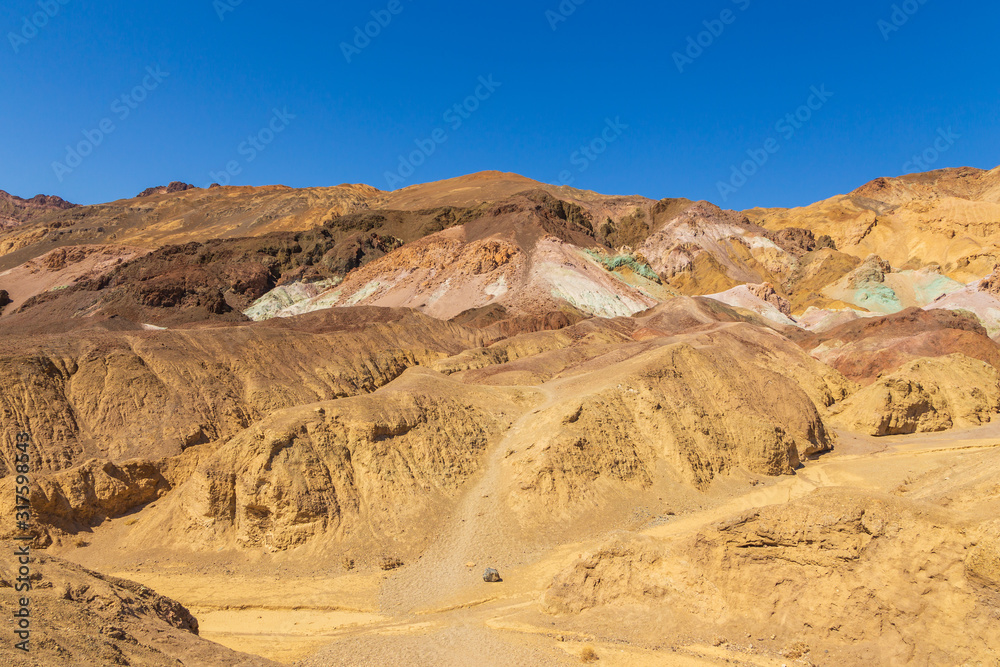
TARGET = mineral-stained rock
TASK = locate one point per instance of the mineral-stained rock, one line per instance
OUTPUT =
(864, 349)
(872, 270)
(766, 292)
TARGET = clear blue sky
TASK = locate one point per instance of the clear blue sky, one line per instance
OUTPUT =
(607, 60)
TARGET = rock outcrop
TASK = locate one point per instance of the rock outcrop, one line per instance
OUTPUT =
(842, 574)
(925, 395)
(80, 617)
(15, 211)
(175, 186)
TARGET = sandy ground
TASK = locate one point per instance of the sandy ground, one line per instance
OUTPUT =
(438, 611)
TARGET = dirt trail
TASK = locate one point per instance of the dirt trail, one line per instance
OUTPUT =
(480, 531)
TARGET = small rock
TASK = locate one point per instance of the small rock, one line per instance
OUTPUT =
(491, 576)
(389, 563)
(470, 565)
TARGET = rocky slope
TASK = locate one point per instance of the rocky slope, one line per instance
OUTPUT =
(862, 349)
(812, 576)
(154, 395)
(527, 254)
(80, 617)
(946, 217)
(15, 211)
(180, 217)
(924, 395)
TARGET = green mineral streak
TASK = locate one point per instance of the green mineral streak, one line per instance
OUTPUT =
(936, 287)
(614, 262)
(877, 297)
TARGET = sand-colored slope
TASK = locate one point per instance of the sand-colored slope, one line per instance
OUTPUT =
(432, 472)
(463, 191)
(80, 617)
(932, 394)
(490, 186)
(961, 183)
(947, 217)
(362, 476)
(850, 577)
(899, 561)
(152, 394)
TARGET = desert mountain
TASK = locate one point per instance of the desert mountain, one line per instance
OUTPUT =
(311, 419)
(15, 211)
(947, 218)
(160, 218)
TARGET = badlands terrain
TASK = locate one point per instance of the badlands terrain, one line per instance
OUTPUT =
(278, 426)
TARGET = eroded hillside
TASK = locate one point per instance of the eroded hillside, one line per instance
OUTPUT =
(772, 433)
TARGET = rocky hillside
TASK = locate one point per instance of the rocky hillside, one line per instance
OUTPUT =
(947, 218)
(15, 211)
(645, 414)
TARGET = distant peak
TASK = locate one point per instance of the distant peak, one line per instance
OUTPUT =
(176, 186)
(492, 174)
(38, 201)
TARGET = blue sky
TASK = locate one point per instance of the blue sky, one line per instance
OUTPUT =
(591, 93)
